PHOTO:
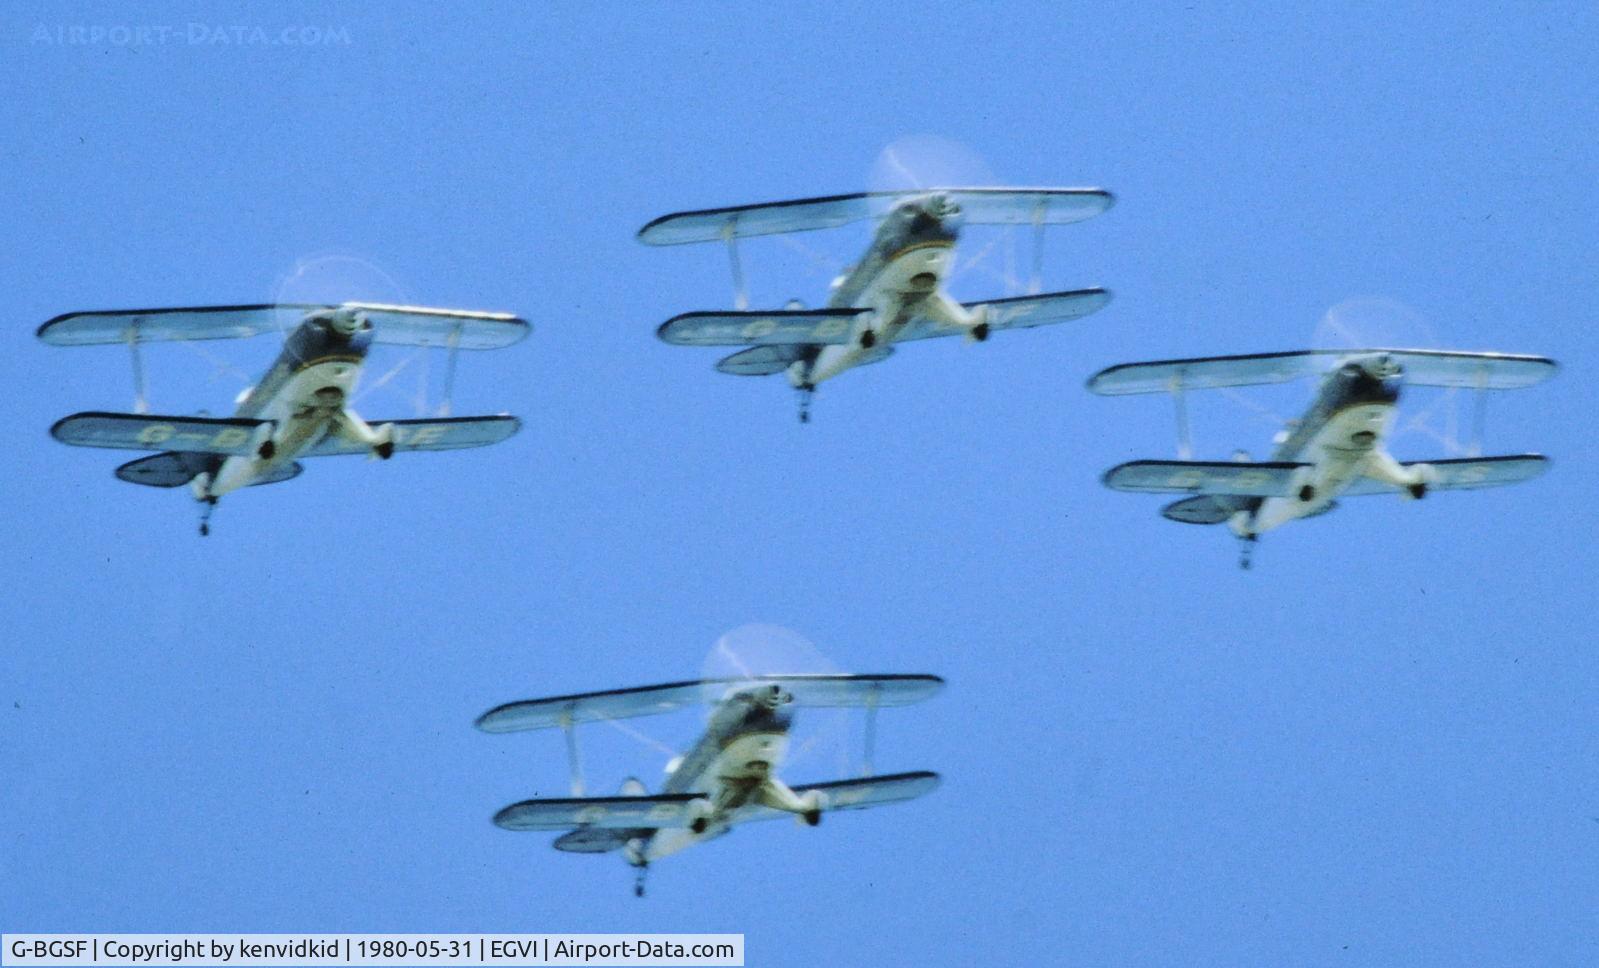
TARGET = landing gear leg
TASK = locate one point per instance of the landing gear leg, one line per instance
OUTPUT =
(1246, 550)
(207, 505)
(806, 391)
(638, 880)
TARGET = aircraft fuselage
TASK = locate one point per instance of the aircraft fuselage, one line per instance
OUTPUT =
(1341, 438)
(304, 396)
(734, 763)
(901, 276)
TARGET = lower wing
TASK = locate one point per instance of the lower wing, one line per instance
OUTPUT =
(605, 813)
(1464, 473)
(440, 433)
(1264, 479)
(1019, 312)
(141, 431)
(778, 327)
(856, 794)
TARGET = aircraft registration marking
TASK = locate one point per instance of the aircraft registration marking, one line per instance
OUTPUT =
(224, 439)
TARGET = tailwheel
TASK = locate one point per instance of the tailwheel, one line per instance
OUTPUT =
(812, 818)
(267, 450)
(868, 339)
(1307, 493)
(980, 332)
(384, 450)
(700, 825)
(1418, 491)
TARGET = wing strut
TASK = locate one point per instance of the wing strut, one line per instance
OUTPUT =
(1036, 285)
(573, 758)
(453, 344)
(871, 730)
(1185, 443)
(140, 403)
(1479, 412)
(741, 295)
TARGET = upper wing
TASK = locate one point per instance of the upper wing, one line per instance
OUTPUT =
(410, 325)
(1464, 473)
(808, 690)
(856, 794)
(420, 326)
(1019, 312)
(609, 813)
(183, 323)
(783, 327)
(142, 431)
(1265, 479)
(1487, 371)
(439, 433)
(986, 206)
(1472, 371)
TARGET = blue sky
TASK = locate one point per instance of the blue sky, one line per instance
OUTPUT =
(1378, 746)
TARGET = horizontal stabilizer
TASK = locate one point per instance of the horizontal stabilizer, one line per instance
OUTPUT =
(439, 433)
(177, 469)
(596, 840)
(856, 794)
(1440, 368)
(980, 206)
(782, 327)
(1265, 479)
(761, 360)
(1464, 473)
(142, 431)
(407, 325)
(808, 690)
(1019, 312)
(1205, 509)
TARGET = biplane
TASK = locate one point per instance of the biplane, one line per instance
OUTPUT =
(1337, 449)
(728, 777)
(300, 408)
(894, 294)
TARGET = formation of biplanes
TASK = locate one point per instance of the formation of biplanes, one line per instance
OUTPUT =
(894, 294)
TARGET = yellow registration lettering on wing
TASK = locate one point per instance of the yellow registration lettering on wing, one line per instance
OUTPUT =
(156, 433)
(230, 437)
(759, 329)
(832, 327)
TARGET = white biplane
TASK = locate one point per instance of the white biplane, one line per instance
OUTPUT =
(894, 294)
(1338, 448)
(300, 408)
(728, 777)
